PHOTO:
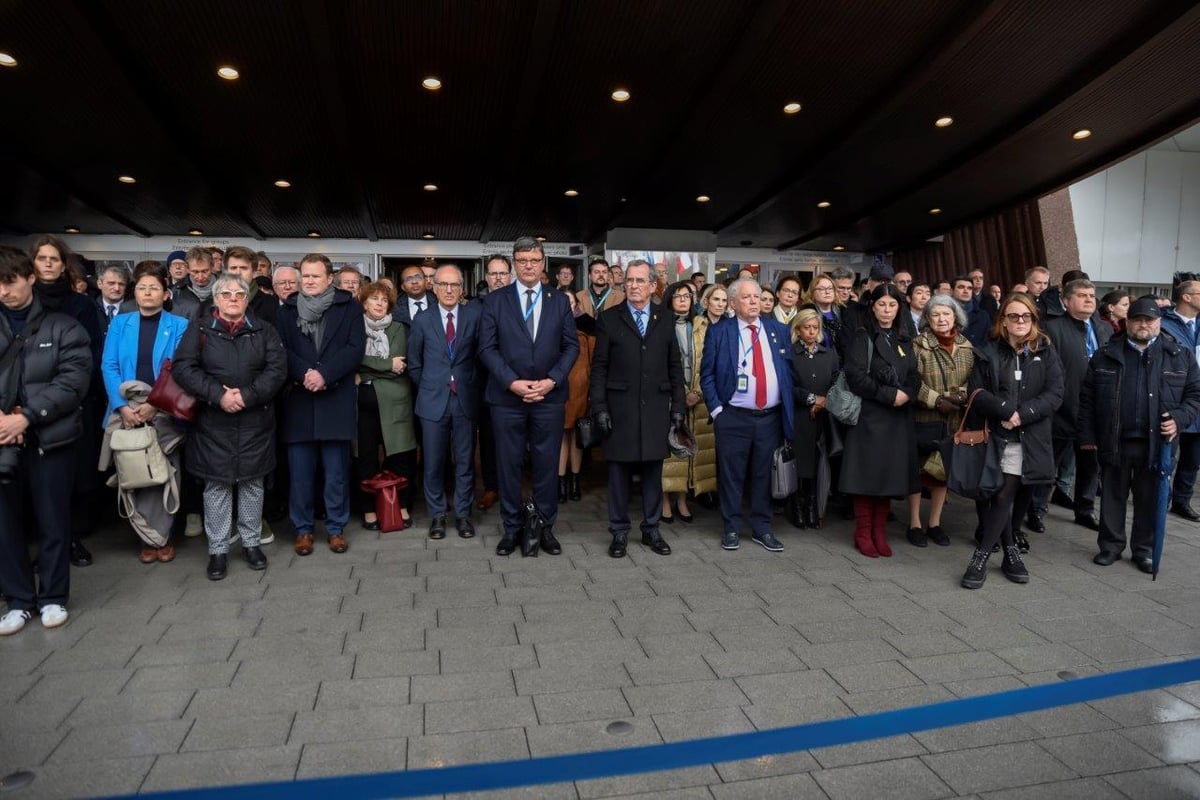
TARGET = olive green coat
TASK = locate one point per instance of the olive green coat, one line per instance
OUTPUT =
(395, 392)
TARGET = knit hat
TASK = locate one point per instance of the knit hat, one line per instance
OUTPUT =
(175, 255)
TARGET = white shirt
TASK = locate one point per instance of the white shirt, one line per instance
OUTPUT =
(536, 316)
(111, 309)
(412, 306)
(745, 366)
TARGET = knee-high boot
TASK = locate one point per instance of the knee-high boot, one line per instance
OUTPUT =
(879, 527)
(862, 527)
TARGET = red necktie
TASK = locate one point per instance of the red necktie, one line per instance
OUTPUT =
(760, 370)
(450, 345)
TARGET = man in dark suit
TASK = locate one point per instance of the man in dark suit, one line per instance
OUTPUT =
(441, 360)
(746, 377)
(413, 296)
(193, 301)
(498, 272)
(528, 344)
(636, 392)
(114, 285)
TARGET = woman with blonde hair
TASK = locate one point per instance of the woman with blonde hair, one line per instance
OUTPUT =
(823, 296)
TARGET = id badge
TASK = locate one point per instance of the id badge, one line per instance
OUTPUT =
(743, 384)
(1017, 374)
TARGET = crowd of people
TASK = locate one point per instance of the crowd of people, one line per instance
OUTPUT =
(308, 382)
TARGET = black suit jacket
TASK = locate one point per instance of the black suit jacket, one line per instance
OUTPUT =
(400, 313)
(509, 354)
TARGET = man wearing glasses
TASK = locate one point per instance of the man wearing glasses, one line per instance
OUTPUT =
(415, 298)
(441, 362)
(285, 282)
(527, 342)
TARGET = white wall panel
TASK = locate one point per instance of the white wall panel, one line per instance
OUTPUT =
(1160, 217)
(1123, 204)
(1188, 259)
(1087, 206)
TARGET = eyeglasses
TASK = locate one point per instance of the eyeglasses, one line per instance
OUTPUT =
(415, 279)
(148, 287)
(823, 289)
(637, 282)
(284, 282)
(448, 285)
(529, 262)
(235, 295)
(1019, 317)
(497, 274)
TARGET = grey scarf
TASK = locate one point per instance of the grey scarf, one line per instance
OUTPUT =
(377, 341)
(312, 313)
(202, 292)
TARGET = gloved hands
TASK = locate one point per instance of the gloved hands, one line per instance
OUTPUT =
(604, 422)
(676, 419)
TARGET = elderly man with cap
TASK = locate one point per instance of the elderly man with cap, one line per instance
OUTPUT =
(177, 268)
(1141, 390)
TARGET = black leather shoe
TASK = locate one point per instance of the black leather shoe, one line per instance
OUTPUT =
(437, 528)
(1144, 564)
(573, 490)
(730, 540)
(217, 566)
(370, 526)
(549, 543)
(1186, 511)
(1034, 524)
(465, 529)
(938, 536)
(255, 557)
(1060, 498)
(682, 516)
(507, 544)
(917, 538)
(1105, 557)
(619, 544)
(1087, 521)
(562, 489)
(80, 557)
(655, 541)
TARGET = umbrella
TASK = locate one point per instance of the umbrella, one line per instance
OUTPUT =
(1165, 457)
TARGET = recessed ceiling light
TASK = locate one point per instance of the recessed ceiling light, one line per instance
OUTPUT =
(1082, 133)
(944, 122)
(126, 179)
(703, 198)
(228, 73)
(430, 187)
(283, 184)
(824, 204)
(792, 108)
(571, 193)
(540, 238)
(838, 247)
(195, 232)
(314, 234)
(427, 235)
(620, 95)
(935, 211)
(431, 83)
(72, 229)
(7, 61)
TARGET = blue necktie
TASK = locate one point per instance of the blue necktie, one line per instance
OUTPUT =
(1092, 346)
(640, 323)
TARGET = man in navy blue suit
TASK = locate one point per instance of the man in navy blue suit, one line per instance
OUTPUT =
(746, 377)
(528, 344)
(441, 362)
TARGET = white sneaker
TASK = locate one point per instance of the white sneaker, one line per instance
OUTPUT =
(194, 526)
(268, 535)
(13, 621)
(53, 616)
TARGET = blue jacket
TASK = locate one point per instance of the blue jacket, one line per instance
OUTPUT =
(119, 362)
(430, 364)
(509, 354)
(1173, 324)
(722, 353)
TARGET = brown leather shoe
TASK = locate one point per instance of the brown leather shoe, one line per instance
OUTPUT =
(337, 543)
(166, 553)
(148, 555)
(489, 499)
(304, 544)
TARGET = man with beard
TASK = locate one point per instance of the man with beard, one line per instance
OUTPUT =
(194, 300)
(599, 295)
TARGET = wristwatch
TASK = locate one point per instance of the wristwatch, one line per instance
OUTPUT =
(811, 400)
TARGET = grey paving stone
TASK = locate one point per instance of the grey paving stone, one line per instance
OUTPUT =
(868, 752)
(181, 677)
(689, 696)
(459, 716)
(1067, 720)
(886, 700)
(705, 603)
(487, 659)
(100, 742)
(556, 612)
(539, 594)
(752, 662)
(547, 680)
(150, 633)
(1145, 708)
(381, 663)
(546, 632)
(759, 638)
(1099, 752)
(21, 748)
(873, 677)
(300, 668)
(446, 750)
(303, 625)
(1079, 789)
(357, 724)
(651, 624)
(121, 776)
(957, 667)
(798, 711)
(38, 715)
(574, 654)
(1000, 766)
(268, 698)
(289, 645)
(462, 686)
(691, 793)
(1163, 783)
(58, 687)
(237, 732)
(188, 609)
(458, 583)
(832, 654)
(977, 686)
(1041, 657)
(787, 687)
(382, 601)
(232, 628)
(486, 636)
(13, 686)
(844, 630)
(666, 645)
(657, 782)
(577, 737)
(312, 606)
(363, 693)
(731, 618)
(579, 705)
(1000, 634)
(787, 764)
(676, 726)
(479, 616)
(635, 606)
(613, 590)
(1170, 742)
(934, 643)
(96, 657)
(222, 768)
(192, 652)
(905, 778)
(352, 758)
(977, 734)
(126, 708)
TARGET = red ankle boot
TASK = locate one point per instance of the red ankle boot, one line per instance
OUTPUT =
(862, 527)
(879, 528)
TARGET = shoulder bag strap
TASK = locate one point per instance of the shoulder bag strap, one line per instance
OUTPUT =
(967, 412)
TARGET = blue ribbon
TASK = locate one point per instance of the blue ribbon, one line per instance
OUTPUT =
(697, 752)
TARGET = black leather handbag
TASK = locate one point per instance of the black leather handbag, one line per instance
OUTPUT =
(587, 434)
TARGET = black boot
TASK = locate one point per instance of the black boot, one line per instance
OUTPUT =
(1013, 567)
(976, 572)
(795, 514)
(562, 488)
(812, 518)
(573, 486)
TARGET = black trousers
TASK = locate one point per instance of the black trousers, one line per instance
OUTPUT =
(1131, 474)
(487, 453)
(370, 438)
(620, 483)
(46, 480)
(538, 426)
(746, 441)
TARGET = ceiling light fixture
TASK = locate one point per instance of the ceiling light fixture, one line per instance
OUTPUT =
(195, 232)
(283, 184)
(72, 229)
(1082, 133)
(431, 83)
(703, 198)
(838, 247)
(7, 61)
(792, 108)
(935, 211)
(620, 95)
(944, 122)
(430, 187)
(540, 238)
(427, 235)
(571, 193)
(314, 234)
(228, 73)
(126, 179)
(824, 204)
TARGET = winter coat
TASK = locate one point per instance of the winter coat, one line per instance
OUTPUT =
(815, 373)
(1036, 396)
(702, 472)
(880, 455)
(54, 379)
(185, 303)
(330, 414)
(941, 373)
(119, 362)
(1176, 392)
(1174, 325)
(394, 393)
(224, 447)
(1069, 337)
(577, 382)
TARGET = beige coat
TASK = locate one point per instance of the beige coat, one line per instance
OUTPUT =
(698, 473)
(584, 296)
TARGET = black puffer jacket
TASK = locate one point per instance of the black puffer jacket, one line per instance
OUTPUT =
(54, 381)
(1036, 395)
(231, 447)
(1069, 336)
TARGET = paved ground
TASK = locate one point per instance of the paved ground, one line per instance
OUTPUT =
(407, 653)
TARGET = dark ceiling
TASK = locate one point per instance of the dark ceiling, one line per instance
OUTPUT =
(330, 98)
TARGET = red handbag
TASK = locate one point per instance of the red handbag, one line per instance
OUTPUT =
(167, 396)
(386, 487)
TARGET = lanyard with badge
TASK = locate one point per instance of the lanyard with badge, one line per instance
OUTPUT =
(743, 380)
(533, 303)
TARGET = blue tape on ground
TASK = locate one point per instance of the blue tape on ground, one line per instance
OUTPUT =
(653, 758)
